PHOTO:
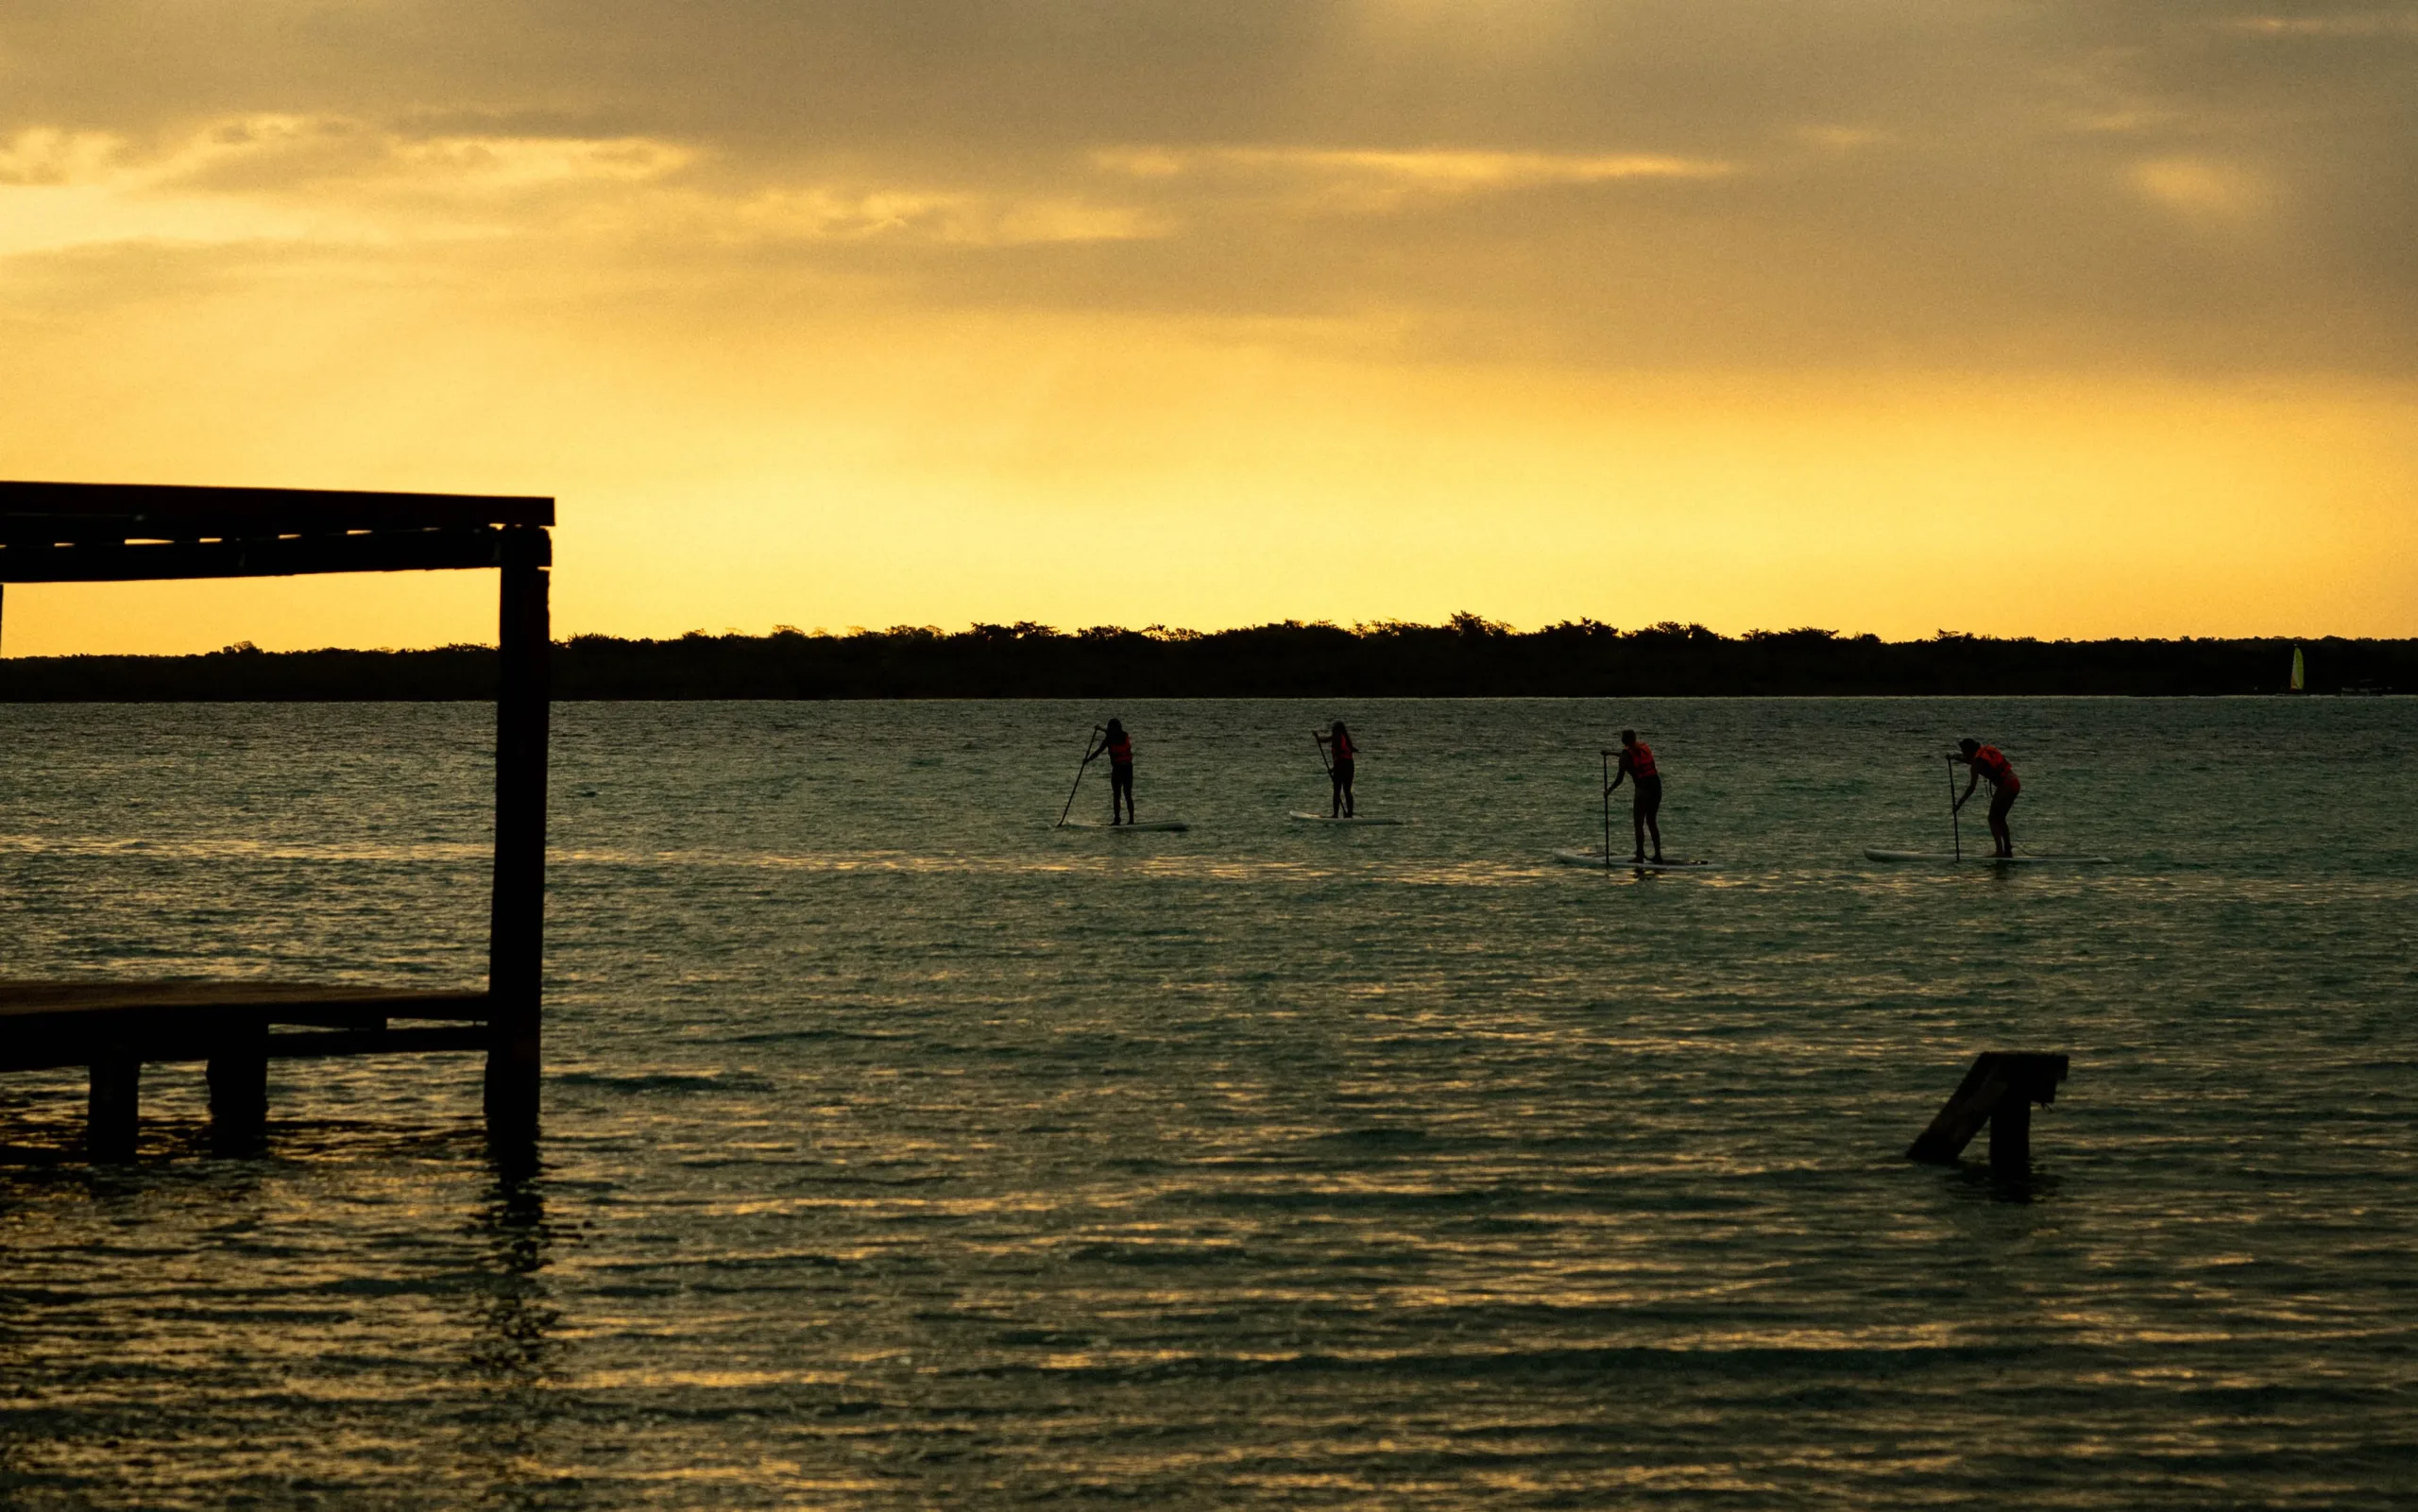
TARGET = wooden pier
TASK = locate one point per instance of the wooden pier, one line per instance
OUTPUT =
(99, 533)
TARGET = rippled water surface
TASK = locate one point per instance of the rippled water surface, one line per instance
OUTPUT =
(902, 1150)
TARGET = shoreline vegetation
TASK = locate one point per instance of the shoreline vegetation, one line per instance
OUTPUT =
(1466, 657)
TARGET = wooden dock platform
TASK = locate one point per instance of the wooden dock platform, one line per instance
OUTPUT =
(237, 1028)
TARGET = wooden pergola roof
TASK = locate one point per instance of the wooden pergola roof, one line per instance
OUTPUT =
(99, 533)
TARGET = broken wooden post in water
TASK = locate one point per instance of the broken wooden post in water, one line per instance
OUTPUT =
(107, 533)
(238, 1077)
(114, 1091)
(1999, 1091)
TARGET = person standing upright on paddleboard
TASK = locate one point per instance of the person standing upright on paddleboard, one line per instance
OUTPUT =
(1119, 748)
(1340, 770)
(1989, 761)
(1646, 806)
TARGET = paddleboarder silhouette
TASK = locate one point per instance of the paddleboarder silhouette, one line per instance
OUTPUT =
(1646, 806)
(1120, 749)
(1340, 771)
(1989, 761)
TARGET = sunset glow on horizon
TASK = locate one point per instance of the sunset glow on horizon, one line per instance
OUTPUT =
(2068, 321)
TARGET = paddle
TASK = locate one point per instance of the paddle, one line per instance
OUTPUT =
(1088, 753)
(1956, 825)
(1607, 810)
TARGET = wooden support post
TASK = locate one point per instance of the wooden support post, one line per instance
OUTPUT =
(2011, 1137)
(111, 1113)
(239, 1091)
(517, 924)
(1998, 1091)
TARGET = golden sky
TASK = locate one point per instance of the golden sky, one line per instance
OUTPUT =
(2030, 318)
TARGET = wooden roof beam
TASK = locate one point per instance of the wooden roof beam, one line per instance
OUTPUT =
(82, 510)
(379, 550)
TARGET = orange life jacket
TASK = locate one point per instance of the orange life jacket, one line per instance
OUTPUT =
(1121, 753)
(1992, 763)
(1344, 749)
(1640, 759)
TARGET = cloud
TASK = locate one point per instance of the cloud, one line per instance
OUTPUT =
(2197, 187)
(61, 189)
(278, 178)
(1665, 183)
(1374, 179)
(941, 216)
(2356, 23)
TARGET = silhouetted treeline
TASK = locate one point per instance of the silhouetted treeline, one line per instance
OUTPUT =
(1464, 658)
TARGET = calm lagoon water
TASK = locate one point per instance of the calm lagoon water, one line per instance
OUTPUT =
(902, 1151)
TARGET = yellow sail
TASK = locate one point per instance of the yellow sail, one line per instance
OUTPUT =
(2299, 672)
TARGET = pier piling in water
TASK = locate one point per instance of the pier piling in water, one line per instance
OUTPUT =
(517, 916)
(1998, 1091)
(109, 1110)
(238, 1075)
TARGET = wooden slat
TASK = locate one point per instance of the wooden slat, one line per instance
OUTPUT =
(387, 551)
(273, 997)
(186, 512)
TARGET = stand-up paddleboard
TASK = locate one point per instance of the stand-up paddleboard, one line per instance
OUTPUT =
(1622, 863)
(1347, 819)
(1875, 853)
(1160, 825)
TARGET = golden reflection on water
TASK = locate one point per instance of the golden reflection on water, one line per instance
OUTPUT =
(901, 1151)
(514, 1349)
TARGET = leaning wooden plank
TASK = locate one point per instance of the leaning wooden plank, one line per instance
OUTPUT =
(1961, 1116)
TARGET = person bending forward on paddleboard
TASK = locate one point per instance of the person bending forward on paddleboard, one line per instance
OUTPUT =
(1989, 761)
(1340, 769)
(1119, 748)
(1646, 806)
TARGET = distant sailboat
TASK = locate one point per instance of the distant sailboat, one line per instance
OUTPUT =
(2300, 675)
